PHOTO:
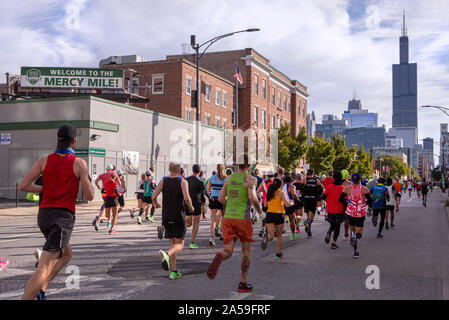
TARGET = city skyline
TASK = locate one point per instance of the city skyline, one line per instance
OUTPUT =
(341, 46)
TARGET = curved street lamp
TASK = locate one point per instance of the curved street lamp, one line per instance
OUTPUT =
(198, 56)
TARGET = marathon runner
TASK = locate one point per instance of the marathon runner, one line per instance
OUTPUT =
(197, 191)
(203, 207)
(147, 198)
(215, 185)
(409, 188)
(62, 173)
(121, 190)
(392, 203)
(418, 189)
(263, 188)
(356, 197)
(277, 203)
(311, 192)
(380, 196)
(299, 186)
(346, 183)
(425, 189)
(290, 210)
(175, 195)
(139, 194)
(237, 195)
(397, 185)
(335, 208)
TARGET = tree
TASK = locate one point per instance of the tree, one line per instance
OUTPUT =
(394, 166)
(291, 149)
(320, 155)
(362, 163)
(343, 155)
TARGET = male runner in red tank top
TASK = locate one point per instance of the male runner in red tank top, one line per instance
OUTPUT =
(62, 173)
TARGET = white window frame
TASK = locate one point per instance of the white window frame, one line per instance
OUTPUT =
(273, 122)
(224, 98)
(264, 119)
(256, 85)
(285, 102)
(217, 119)
(207, 94)
(264, 89)
(207, 119)
(189, 93)
(188, 115)
(155, 76)
(256, 116)
(273, 97)
(233, 118)
(224, 123)
(279, 102)
(217, 95)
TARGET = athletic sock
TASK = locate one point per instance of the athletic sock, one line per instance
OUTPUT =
(140, 212)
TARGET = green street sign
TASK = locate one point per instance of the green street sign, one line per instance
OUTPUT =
(95, 152)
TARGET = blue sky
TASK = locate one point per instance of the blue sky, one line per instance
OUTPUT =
(334, 47)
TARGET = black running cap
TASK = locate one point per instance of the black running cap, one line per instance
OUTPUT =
(66, 134)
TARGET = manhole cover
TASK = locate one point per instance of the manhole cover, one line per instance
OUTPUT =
(145, 267)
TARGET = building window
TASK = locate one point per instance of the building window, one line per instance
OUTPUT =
(157, 84)
(217, 97)
(264, 89)
(289, 106)
(273, 122)
(208, 88)
(188, 115)
(217, 122)
(256, 86)
(279, 121)
(285, 102)
(225, 98)
(256, 116)
(224, 122)
(233, 118)
(299, 109)
(279, 101)
(304, 111)
(208, 120)
(133, 86)
(273, 97)
(188, 85)
(264, 119)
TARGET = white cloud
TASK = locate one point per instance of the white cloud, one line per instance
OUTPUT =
(315, 42)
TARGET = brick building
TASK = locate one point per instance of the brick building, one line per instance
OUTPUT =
(169, 85)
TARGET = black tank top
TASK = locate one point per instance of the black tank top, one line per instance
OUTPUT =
(310, 188)
(173, 210)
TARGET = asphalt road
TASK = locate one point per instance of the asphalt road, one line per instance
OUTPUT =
(412, 259)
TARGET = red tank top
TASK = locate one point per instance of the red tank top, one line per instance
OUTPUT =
(59, 183)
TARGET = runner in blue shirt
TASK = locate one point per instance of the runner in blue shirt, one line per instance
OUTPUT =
(380, 197)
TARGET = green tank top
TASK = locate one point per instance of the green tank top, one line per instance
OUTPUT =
(237, 204)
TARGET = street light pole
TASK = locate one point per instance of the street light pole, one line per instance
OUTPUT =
(198, 56)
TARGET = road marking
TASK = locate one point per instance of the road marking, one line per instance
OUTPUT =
(241, 296)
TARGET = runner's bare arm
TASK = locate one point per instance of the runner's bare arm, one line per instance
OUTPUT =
(251, 183)
(259, 190)
(157, 191)
(83, 173)
(27, 182)
(286, 200)
(96, 182)
(222, 195)
(185, 193)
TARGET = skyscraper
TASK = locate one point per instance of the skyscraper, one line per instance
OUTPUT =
(405, 89)
(358, 117)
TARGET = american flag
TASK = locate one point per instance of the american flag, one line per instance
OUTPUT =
(238, 75)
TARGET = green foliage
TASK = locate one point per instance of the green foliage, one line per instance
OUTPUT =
(320, 155)
(396, 167)
(436, 175)
(291, 149)
(362, 163)
(343, 156)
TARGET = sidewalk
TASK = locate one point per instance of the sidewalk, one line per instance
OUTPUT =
(31, 209)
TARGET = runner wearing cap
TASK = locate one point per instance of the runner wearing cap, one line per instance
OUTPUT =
(215, 185)
(146, 199)
(299, 187)
(264, 189)
(312, 191)
(62, 173)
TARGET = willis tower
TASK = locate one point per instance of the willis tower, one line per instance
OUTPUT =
(405, 89)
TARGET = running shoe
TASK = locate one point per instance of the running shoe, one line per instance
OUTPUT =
(327, 239)
(109, 224)
(204, 217)
(356, 255)
(193, 245)
(334, 246)
(221, 235)
(165, 260)
(307, 228)
(174, 275)
(300, 222)
(97, 225)
(278, 256)
(213, 267)
(151, 219)
(353, 241)
(392, 226)
(211, 242)
(147, 218)
(41, 296)
(297, 229)
(261, 233)
(387, 226)
(244, 287)
(283, 231)
(264, 243)
(37, 255)
(131, 213)
(4, 263)
(293, 236)
(217, 232)
(253, 219)
(139, 220)
(112, 232)
(94, 222)
(379, 236)
(160, 232)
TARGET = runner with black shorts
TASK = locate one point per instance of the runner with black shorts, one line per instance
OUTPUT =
(139, 194)
(311, 193)
(392, 204)
(299, 207)
(62, 173)
(110, 182)
(290, 210)
(335, 209)
(356, 197)
(424, 190)
(215, 185)
(197, 194)
(175, 195)
(146, 199)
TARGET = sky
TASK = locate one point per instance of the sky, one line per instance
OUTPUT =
(336, 48)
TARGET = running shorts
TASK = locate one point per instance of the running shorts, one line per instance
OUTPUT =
(147, 200)
(110, 202)
(214, 204)
(276, 218)
(298, 205)
(310, 205)
(56, 224)
(121, 201)
(139, 195)
(175, 230)
(337, 218)
(196, 212)
(234, 229)
(290, 210)
(390, 208)
(357, 222)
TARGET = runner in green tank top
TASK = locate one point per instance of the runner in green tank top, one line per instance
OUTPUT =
(237, 195)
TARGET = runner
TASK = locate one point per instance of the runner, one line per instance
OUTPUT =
(398, 190)
(62, 173)
(356, 197)
(146, 199)
(380, 196)
(418, 189)
(139, 194)
(311, 193)
(263, 188)
(414, 185)
(121, 190)
(392, 203)
(409, 188)
(335, 209)
(299, 186)
(215, 185)
(290, 210)
(237, 195)
(425, 189)
(175, 194)
(203, 207)
(277, 202)
(110, 182)
(197, 195)
(346, 183)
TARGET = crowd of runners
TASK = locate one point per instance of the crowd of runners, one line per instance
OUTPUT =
(238, 198)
